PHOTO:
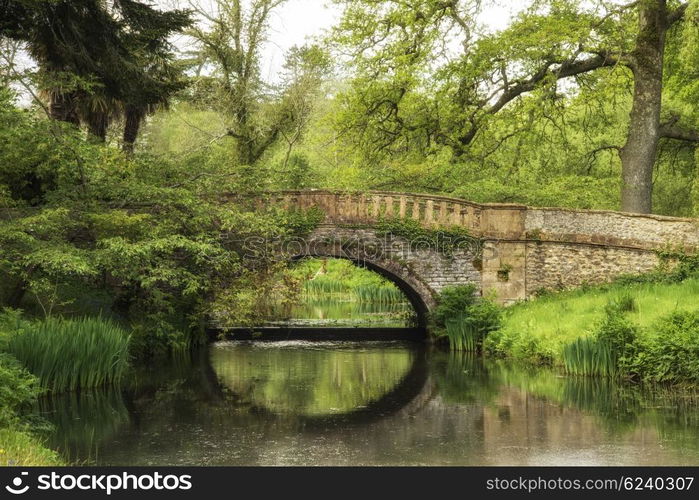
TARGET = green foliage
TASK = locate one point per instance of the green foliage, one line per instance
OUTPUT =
(609, 351)
(468, 331)
(98, 61)
(462, 336)
(467, 320)
(442, 239)
(255, 113)
(538, 330)
(490, 117)
(67, 355)
(453, 302)
(145, 236)
(18, 390)
(302, 223)
(342, 279)
(669, 353)
(617, 330)
(632, 335)
(379, 295)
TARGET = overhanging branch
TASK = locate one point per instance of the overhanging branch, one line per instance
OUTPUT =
(676, 132)
(677, 14)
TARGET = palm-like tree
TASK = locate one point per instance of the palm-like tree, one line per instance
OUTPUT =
(98, 59)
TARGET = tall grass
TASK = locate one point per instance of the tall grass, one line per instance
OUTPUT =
(463, 336)
(589, 356)
(379, 294)
(68, 355)
(321, 287)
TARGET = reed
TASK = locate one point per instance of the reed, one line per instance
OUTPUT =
(67, 355)
(463, 336)
(375, 294)
(589, 356)
(379, 294)
(320, 287)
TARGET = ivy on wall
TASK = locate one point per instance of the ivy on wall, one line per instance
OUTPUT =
(444, 239)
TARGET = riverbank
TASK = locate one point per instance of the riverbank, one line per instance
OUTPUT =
(652, 324)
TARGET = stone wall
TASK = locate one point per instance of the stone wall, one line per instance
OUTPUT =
(612, 228)
(556, 266)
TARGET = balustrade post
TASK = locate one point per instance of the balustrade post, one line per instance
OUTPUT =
(416, 209)
(389, 206)
(429, 212)
(376, 206)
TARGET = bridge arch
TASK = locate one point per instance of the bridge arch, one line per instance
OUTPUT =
(419, 295)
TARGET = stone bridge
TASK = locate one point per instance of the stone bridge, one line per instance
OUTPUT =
(425, 243)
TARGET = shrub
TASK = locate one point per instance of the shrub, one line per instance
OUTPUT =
(617, 330)
(467, 319)
(671, 353)
(453, 303)
(18, 389)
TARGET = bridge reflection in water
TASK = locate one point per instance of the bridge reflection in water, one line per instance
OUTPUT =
(322, 383)
(302, 403)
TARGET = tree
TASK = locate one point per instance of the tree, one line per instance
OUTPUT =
(98, 60)
(414, 86)
(229, 44)
(161, 76)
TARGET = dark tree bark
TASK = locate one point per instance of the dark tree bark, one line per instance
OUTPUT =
(97, 124)
(62, 108)
(639, 153)
(133, 118)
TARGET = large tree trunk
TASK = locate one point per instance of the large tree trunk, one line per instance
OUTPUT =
(133, 118)
(639, 153)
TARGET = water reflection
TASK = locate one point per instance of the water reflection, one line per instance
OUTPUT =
(390, 403)
(305, 379)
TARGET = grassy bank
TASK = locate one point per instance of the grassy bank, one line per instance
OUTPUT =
(20, 448)
(645, 331)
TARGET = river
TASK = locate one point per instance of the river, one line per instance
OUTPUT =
(349, 403)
